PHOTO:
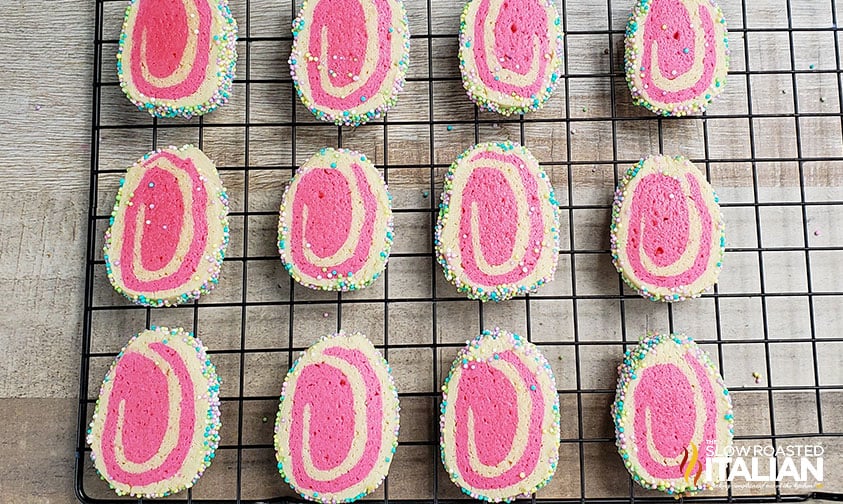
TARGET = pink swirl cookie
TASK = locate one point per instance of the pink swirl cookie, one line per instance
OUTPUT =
(500, 418)
(510, 53)
(667, 234)
(335, 225)
(677, 55)
(157, 419)
(672, 413)
(177, 57)
(337, 425)
(169, 228)
(350, 58)
(497, 235)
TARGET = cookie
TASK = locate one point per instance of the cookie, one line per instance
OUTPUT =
(676, 55)
(337, 425)
(672, 412)
(500, 418)
(177, 58)
(349, 58)
(510, 53)
(169, 228)
(157, 419)
(497, 235)
(335, 222)
(667, 235)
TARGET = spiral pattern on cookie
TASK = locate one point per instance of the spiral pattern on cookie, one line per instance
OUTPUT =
(169, 228)
(500, 418)
(667, 233)
(510, 53)
(335, 224)
(156, 423)
(350, 57)
(672, 413)
(677, 55)
(497, 233)
(337, 425)
(177, 57)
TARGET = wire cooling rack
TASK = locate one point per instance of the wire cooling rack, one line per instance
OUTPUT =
(771, 146)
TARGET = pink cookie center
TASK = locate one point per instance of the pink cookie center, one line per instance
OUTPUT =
(489, 190)
(165, 215)
(344, 23)
(668, 25)
(326, 390)
(494, 405)
(660, 226)
(495, 200)
(517, 25)
(667, 395)
(163, 25)
(161, 197)
(141, 388)
(326, 194)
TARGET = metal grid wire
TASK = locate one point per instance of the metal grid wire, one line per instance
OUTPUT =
(771, 147)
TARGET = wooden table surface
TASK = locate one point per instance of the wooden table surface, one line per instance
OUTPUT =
(45, 160)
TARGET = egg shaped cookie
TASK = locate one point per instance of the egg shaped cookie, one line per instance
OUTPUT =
(177, 57)
(169, 228)
(677, 55)
(497, 234)
(337, 425)
(672, 414)
(350, 58)
(157, 419)
(499, 418)
(335, 222)
(510, 53)
(667, 233)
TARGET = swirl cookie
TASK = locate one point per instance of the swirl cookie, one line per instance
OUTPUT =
(349, 58)
(169, 228)
(676, 55)
(157, 419)
(667, 234)
(672, 412)
(510, 53)
(177, 57)
(500, 418)
(335, 224)
(337, 425)
(497, 235)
